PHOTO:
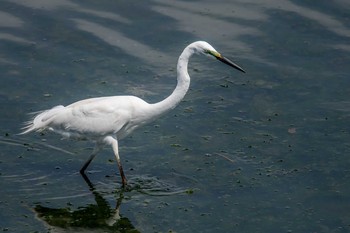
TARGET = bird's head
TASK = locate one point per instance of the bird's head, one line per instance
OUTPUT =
(203, 47)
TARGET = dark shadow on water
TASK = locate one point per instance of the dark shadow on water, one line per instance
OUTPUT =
(99, 216)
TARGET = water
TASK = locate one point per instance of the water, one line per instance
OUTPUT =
(265, 151)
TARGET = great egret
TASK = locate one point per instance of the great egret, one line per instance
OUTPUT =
(106, 120)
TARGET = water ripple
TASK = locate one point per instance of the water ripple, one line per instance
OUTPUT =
(158, 187)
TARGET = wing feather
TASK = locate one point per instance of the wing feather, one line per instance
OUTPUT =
(92, 117)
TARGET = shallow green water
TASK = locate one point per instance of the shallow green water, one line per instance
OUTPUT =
(265, 151)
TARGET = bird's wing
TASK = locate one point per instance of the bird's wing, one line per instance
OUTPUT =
(95, 116)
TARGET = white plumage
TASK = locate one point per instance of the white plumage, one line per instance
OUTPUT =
(105, 120)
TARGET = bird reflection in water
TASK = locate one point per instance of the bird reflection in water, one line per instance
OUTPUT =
(98, 216)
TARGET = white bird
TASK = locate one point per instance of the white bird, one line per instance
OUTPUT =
(106, 120)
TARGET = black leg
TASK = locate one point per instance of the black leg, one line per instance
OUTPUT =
(97, 149)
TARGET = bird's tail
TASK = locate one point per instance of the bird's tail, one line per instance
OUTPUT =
(40, 121)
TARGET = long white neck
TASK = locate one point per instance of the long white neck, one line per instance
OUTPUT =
(183, 83)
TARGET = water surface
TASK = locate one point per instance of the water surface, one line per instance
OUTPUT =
(265, 151)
